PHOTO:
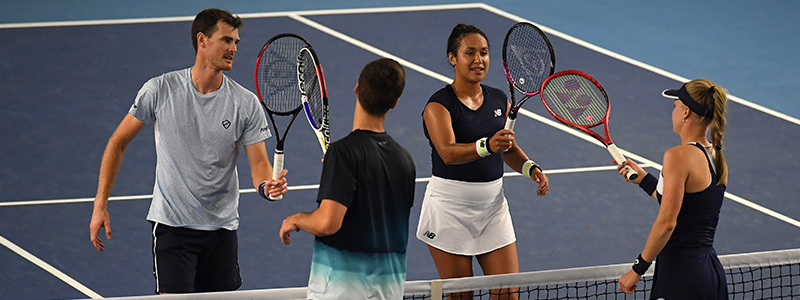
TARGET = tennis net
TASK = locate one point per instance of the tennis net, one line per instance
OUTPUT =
(759, 275)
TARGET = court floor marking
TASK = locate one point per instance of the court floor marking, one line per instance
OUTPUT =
(637, 63)
(650, 163)
(528, 113)
(245, 15)
(484, 6)
(48, 268)
(291, 188)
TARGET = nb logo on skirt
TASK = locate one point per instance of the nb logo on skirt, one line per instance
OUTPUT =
(429, 234)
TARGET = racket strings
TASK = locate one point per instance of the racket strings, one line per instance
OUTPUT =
(309, 80)
(528, 58)
(277, 75)
(576, 99)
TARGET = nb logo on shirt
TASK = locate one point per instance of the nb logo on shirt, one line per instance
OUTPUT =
(226, 124)
(498, 112)
(429, 234)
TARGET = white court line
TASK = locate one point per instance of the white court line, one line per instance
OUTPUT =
(530, 114)
(484, 6)
(637, 63)
(50, 269)
(244, 16)
(291, 188)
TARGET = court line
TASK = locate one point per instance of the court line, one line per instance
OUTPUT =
(50, 269)
(637, 63)
(291, 188)
(528, 113)
(244, 16)
(484, 6)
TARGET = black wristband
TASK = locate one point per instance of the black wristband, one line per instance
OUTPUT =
(485, 144)
(262, 192)
(648, 184)
(640, 265)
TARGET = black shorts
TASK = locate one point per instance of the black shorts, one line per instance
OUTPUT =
(187, 260)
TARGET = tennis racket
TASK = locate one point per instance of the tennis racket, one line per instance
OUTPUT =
(314, 95)
(578, 100)
(528, 59)
(277, 87)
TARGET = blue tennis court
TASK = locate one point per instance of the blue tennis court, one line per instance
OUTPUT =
(66, 86)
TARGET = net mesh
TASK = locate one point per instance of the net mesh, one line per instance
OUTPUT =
(762, 275)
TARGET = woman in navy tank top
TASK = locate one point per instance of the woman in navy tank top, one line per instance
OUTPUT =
(690, 190)
(464, 213)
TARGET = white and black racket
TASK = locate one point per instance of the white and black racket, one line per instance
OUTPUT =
(528, 59)
(314, 94)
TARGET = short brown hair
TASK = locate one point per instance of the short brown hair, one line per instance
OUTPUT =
(380, 84)
(206, 22)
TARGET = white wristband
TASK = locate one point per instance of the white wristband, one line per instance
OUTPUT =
(528, 167)
(482, 147)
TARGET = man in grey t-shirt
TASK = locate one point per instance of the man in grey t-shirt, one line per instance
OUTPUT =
(201, 119)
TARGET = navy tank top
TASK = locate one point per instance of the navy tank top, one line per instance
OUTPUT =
(469, 126)
(699, 214)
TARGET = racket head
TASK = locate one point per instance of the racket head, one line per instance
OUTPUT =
(578, 100)
(528, 57)
(276, 73)
(311, 83)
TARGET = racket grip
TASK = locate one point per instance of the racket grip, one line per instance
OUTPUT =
(510, 123)
(631, 175)
(277, 168)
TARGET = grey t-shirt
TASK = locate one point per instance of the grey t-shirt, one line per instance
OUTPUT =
(198, 137)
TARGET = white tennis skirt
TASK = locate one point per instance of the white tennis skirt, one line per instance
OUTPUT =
(465, 218)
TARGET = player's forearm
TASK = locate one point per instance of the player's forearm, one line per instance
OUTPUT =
(314, 224)
(659, 235)
(260, 173)
(515, 158)
(458, 154)
(109, 169)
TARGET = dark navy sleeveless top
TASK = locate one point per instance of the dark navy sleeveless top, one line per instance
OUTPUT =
(469, 126)
(699, 214)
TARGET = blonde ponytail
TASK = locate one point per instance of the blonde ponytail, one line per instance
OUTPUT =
(714, 98)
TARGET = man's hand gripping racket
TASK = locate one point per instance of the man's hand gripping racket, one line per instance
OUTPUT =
(276, 76)
(578, 100)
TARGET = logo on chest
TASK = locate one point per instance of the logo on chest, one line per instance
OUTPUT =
(226, 124)
(498, 112)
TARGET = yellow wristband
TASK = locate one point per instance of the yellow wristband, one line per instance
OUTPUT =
(527, 168)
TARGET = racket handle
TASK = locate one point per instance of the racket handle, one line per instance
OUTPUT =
(620, 159)
(277, 168)
(510, 123)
